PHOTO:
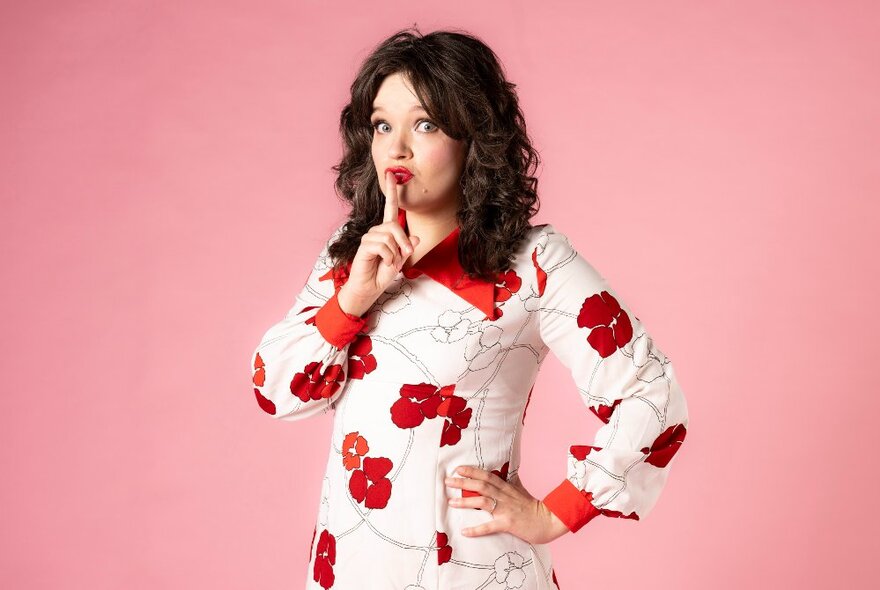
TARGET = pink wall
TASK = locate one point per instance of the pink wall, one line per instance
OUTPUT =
(166, 183)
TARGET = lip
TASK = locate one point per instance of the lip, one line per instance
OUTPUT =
(401, 174)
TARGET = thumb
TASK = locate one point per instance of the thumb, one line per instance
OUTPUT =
(415, 240)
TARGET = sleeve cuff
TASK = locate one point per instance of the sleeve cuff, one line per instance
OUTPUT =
(335, 325)
(571, 505)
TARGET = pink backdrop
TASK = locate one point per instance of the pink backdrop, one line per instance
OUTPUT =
(165, 187)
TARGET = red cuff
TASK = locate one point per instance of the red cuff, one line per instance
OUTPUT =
(337, 326)
(571, 505)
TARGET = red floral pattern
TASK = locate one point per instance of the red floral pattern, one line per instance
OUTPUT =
(259, 371)
(457, 415)
(610, 513)
(526, 407)
(580, 452)
(265, 404)
(506, 285)
(369, 485)
(360, 361)
(325, 559)
(610, 326)
(444, 551)
(313, 383)
(604, 412)
(665, 446)
(424, 400)
(354, 446)
(540, 275)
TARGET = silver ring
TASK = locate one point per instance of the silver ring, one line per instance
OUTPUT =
(494, 505)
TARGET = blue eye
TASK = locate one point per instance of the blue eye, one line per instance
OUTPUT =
(375, 125)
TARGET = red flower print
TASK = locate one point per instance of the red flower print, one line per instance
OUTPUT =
(528, 399)
(444, 551)
(311, 320)
(360, 361)
(457, 415)
(580, 452)
(502, 473)
(604, 412)
(610, 513)
(598, 313)
(665, 446)
(424, 400)
(369, 485)
(354, 447)
(339, 275)
(267, 405)
(314, 534)
(416, 403)
(259, 371)
(325, 558)
(313, 384)
(554, 578)
(618, 514)
(506, 285)
(539, 272)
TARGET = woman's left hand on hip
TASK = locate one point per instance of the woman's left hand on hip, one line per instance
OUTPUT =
(516, 512)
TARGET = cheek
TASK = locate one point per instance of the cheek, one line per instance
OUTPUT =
(443, 162)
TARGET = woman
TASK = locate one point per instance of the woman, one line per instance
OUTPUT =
(423, 324)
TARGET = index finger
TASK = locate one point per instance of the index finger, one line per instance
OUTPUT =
(390, 197)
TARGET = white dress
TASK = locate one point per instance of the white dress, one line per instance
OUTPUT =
(438, 373)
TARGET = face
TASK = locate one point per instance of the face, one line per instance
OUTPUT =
(403, 136)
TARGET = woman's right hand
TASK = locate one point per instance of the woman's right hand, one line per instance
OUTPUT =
(383, 250)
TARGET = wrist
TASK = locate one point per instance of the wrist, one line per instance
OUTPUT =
(557, 527)
(349, 304)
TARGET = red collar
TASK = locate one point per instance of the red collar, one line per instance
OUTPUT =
(441, 263)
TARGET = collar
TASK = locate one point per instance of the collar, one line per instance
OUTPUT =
(442, 264)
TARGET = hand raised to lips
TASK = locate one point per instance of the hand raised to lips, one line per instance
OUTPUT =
(384, 249)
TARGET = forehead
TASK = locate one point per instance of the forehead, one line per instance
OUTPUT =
(395, 94)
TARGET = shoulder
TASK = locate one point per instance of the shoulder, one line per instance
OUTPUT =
(550, 251)
(545, 241)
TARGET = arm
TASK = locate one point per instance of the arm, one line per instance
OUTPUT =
(624, 379)
(300, 366)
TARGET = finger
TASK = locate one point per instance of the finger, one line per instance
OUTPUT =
(483, 488)
(386, 239)
(402, 240)
(390, 197)
(487, 528)
(475, 502)
(482, 475)
(378, 250)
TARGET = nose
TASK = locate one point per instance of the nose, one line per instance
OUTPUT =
(399, 146)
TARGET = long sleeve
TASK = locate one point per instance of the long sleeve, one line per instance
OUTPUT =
(300, 366)
(622, 377)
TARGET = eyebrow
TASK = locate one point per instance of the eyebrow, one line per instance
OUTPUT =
(417, 107)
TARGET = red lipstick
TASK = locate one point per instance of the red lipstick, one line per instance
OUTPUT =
(401, 173)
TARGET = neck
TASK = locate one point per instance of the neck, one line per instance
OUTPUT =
(431, 227)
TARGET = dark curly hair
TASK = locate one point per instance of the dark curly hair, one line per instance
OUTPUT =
(462, 87)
